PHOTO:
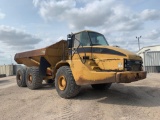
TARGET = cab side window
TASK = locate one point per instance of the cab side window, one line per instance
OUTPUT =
(81, 38)
(85, 39)
(76, 40)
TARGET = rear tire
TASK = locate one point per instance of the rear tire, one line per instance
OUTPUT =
(65, 83)
(105, 86)
(20, 77)
(33, 78)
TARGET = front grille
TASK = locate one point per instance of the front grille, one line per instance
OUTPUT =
(133, 65)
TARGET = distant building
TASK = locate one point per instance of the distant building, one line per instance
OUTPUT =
(151, 58)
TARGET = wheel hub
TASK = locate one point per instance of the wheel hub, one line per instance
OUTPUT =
(20, 77)
(62, 83)
(30, 78)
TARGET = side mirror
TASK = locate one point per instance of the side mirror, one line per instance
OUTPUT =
(69, 36)
(69, 40)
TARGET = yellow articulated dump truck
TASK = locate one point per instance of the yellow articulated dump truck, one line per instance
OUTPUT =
(85, 58)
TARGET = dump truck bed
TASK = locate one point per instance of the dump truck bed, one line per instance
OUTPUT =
(52, 54)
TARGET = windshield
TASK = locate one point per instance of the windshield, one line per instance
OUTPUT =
(97, 39)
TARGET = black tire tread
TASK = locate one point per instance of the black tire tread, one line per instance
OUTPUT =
(72, 89)
(21, 71)
(36, 78)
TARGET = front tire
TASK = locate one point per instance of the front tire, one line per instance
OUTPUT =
(33, 78)
(20, 77)
(105, 86)
(65, 83)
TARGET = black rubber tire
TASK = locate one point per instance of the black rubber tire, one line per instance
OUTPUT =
(20, 77)
(49, 81)
(71, 89)
(105, 86)
(36, 78)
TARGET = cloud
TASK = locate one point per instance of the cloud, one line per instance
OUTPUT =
(152, 14)
(153, 34)
(94, 14)
(100, 13)
(1, 52)
(48, 41)
(16, 38)
(13, 40)
(116, 20)
(52, 9)
(36, 2)
(2, 15)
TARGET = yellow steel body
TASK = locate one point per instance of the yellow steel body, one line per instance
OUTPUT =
(98, 68)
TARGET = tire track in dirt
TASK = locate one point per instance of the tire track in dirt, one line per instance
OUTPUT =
(65, 111)
(134, 101)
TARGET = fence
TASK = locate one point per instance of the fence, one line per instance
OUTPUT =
(9, 70)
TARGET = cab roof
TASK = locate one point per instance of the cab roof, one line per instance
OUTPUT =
(87, 31)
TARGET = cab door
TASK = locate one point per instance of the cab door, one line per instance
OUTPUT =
(82, 46)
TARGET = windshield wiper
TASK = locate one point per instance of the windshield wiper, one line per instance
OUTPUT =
(80, 44)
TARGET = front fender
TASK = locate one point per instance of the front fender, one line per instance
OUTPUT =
(58, 65)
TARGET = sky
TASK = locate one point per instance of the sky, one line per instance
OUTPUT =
(32, 24)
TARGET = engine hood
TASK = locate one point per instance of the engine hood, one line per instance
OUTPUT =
(113, 58)
(116, 51)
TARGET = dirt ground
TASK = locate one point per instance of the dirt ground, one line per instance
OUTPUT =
(134, 101)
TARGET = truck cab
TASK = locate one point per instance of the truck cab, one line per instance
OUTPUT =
(90, 45)
(90, 51)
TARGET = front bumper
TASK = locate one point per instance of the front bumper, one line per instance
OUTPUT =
(127, 77)
(110, 77)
